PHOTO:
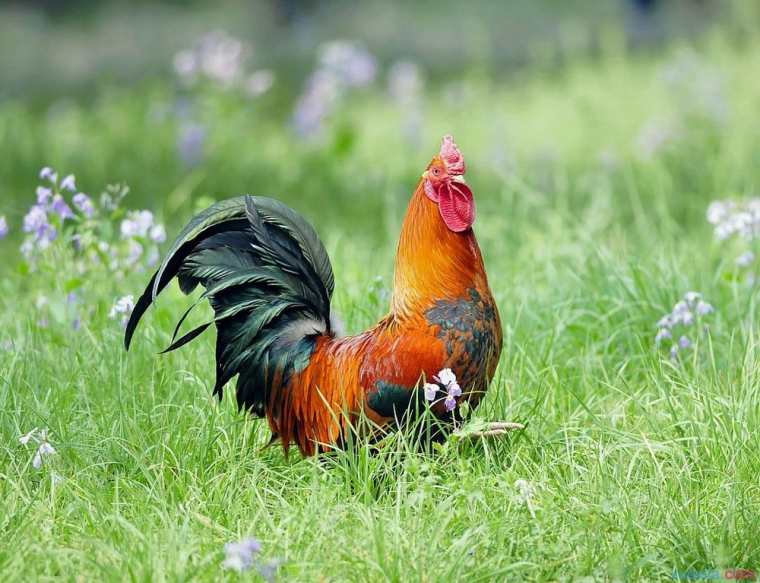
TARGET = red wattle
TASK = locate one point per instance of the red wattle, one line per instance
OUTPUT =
(456, 205)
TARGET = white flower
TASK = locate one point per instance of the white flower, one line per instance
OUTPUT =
(259, 82)
(653, 137)
(662, 334)
(692, 297)
(687, 318)
(525, 492)
(349, 61)
(158, 234)
(137, 224)
(745, 259)
(717, 211)
(446, 376)
(45, 449)
(405, 82)
(735, 218)
(216, 56)
(703, 308)
(524, 489)
(123, 306)
(430, 391)
(185, 64)
(69, 183)
(24, 439)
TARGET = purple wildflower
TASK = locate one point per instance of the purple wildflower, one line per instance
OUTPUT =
(83, 203)
(69, 183)
(268, 570)
(60, 208)
(191, 143)
(135, 252)
(431, 390)
(448, 380)
(240, 556)
(36, 223)
(47, 173)
(682, 315)
(36, 220)
(317, 102)
(663, 334)
(350, 61)
(43, 194)
(153, 257)
(50, 235)
(3, 227)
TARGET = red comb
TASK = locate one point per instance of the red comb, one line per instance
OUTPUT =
(451, 155)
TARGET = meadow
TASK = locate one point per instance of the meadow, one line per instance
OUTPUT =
(593, 183)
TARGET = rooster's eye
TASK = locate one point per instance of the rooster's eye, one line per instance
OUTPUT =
(436, 172)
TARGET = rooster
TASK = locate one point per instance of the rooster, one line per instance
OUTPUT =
(269, 281)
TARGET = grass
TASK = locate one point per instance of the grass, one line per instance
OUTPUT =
(638, 465)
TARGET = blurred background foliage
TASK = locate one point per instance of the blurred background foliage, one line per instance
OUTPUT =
(540, 94)
(74, 45)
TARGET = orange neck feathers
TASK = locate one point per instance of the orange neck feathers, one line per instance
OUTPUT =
(432, 262)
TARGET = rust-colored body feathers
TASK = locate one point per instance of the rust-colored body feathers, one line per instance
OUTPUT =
(310, 384)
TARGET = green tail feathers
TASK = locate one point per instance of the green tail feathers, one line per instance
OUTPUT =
(269, 280)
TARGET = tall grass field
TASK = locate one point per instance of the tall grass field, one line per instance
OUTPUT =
(619, 221)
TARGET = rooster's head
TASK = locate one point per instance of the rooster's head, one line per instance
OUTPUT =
(444, 184)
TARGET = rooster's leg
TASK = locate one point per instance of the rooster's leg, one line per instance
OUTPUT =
(497, 428)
